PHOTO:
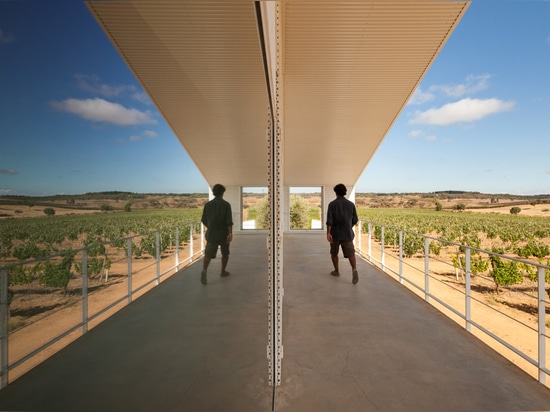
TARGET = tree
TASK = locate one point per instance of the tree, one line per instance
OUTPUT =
(128, 206)
(459, 206)
(106, 208)
(49, 211)
(262, 213)
(515, 210)
(299, 213)
(438, 205)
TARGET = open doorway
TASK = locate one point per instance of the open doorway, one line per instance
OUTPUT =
(306, 208)
(255, 203)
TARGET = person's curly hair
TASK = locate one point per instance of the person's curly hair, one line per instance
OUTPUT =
(218, 190)
(340, 189)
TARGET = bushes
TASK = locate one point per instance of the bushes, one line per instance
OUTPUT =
(58, 275)
(299, 213)
(515, 210)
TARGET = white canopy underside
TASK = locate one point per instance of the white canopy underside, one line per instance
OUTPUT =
(346, 71)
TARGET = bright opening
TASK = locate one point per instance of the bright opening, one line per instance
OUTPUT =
(306, 208)
(255, 208)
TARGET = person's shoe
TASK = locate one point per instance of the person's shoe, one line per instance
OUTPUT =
(335, 273)
(224, 274)
(203, 277)
(355, 277)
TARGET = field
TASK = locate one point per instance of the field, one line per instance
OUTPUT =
(40, 289)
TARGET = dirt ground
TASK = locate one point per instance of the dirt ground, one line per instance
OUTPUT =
(526, 210)
(17, 211)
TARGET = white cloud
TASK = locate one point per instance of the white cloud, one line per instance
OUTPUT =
(416, 133)
(93, 84)
(141, 97)
(420, 97)
(99, 110)
(465, 110)
(472, 84)
(135, 138)
(8, 172)
(5, 38)
(151, 134)
(431, 138)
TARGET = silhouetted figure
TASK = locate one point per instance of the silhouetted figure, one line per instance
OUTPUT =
(217, 218)
(341, 217)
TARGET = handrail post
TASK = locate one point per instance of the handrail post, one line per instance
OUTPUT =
(191, 242)
(177, 263)
(383, 256)
(157, 252)
(129, 244)
(401, 256)
(202, 237)
(542, 325)
(84, 275)
(427, 268)
(359, 234)
(369, 241)
(4, 330)
(467, 292)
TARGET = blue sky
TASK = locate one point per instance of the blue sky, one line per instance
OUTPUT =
(73, 119)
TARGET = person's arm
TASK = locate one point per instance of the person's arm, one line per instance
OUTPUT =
(329, 222)
(229, 220)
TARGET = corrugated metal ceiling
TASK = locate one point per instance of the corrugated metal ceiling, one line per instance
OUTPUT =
(348, 70)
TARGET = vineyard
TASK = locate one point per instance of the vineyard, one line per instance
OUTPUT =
(22, 239)
(523, 237)
(41, 285)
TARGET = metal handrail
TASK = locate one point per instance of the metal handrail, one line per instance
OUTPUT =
(466, 314)
(7, 365)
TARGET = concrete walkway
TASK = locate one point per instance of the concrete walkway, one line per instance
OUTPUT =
(373, 346)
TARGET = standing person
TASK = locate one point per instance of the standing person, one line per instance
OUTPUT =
(218, 220)
(341, 217)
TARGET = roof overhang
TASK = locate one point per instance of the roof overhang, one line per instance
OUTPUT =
(340, 73)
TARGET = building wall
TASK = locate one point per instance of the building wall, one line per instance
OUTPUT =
(234, 196)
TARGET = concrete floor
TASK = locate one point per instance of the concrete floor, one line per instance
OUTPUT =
(373, 346)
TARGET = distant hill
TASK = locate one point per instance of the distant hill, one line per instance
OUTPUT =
(448, 199)
(95, 202)
(30, 206)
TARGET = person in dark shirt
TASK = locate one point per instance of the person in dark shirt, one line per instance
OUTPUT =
(341, 217)
(217, 218)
